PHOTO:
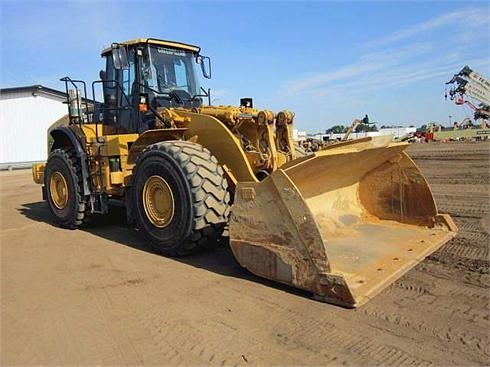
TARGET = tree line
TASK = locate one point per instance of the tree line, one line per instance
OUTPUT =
(341, 129)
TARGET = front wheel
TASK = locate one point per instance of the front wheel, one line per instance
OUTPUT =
(180, 197)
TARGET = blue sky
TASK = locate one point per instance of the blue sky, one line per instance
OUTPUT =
(329, 62)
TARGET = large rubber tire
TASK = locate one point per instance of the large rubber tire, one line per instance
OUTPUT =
(64, 165)
(200, 196)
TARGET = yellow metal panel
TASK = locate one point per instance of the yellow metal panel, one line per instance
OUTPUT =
(117, 178)
(38, 173)
(117, 145)
(151, 137)
(89, 130)
(216, 137)
(112, 145)
(173, 44)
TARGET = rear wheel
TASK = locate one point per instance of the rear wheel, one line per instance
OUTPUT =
(63, 183)
(180, 197)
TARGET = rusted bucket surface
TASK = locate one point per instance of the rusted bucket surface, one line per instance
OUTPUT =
(343, 223)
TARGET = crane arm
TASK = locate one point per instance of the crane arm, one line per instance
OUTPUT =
(480, 111)
(476, 77)
(354, 124)
(478, 93)
(471, 83)
(351, 128)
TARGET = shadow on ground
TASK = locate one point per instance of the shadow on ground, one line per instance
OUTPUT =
(114, 227)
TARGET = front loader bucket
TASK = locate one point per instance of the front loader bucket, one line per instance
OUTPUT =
(343, 223)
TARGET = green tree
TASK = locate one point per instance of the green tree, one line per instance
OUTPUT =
(366, 128)
(337, 129)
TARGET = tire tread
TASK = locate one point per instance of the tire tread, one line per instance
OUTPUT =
(209, 191)
(74, 166)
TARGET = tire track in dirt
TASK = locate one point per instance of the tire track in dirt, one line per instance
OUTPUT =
(477, 239)
(463, 208)
(469, 224)
(457, 189)
(459, 315)
(463, 247)
(295, 329)
(174, 341)
(182, 340)
(449, 270)
(442, 297)
(330, 342)
(346, 345)
(464, 340)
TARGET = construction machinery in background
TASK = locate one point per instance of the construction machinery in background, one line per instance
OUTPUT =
(469, 83)
(465, 85)
(355, 123)
(465, 124)
(342, 223)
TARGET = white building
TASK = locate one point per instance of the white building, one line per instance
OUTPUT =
(299, 135)
(25, 115)
(396, 132)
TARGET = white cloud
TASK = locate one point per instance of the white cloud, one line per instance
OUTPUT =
(397, 65)
(368, 63)
(469, 17)
(408, 74)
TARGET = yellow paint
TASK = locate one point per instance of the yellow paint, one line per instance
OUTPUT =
(343, 223)
(117, 178)
(173, 44)
(38, 173)
(216, 137)
(158, 201)
(58, 190)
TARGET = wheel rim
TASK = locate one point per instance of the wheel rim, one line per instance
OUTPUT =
(158, 201)
(58, 190)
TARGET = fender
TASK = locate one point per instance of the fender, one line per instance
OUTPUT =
(63, 136)
(215, 136)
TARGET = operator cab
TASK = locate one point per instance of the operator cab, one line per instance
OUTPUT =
(145, 74)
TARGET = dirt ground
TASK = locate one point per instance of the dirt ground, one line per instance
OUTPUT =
(97, 297)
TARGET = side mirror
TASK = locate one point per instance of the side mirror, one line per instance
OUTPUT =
(205, 63)
(120, 57)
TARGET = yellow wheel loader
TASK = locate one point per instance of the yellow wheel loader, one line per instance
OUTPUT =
(342, 223)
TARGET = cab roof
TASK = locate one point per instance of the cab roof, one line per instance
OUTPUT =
(157, 42)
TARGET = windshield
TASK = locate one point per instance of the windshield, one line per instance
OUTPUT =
(168, 69)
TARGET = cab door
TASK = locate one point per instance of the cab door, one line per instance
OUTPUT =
(127, 95)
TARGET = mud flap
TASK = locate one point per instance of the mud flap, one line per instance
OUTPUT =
(343, 223)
